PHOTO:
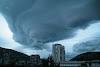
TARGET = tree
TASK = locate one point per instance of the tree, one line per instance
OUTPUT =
(48, 62)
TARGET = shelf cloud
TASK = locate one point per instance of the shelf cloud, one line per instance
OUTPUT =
(35, 23)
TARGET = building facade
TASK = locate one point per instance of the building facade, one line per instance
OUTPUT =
(35, 58)
(58, 53)
(80, 64)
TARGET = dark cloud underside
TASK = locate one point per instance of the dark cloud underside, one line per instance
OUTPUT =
(36, 22)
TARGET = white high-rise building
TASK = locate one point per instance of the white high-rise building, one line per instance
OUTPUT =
(58, 53)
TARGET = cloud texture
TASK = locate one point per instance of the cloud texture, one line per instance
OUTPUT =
(88, 46)
(35, 23)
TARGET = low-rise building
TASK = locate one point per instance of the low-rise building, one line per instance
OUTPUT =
(35, 58)
(1, 61)
(80, 64)
(22, 62)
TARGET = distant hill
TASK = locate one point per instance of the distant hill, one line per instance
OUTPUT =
(18, 55)
(88, 56)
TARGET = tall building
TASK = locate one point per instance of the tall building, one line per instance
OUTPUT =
(35, 58)
(58, 53)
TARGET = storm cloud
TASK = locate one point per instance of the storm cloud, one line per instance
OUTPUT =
(35, 23)
(88, 46)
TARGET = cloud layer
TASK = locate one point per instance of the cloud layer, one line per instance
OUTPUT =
(88, 46)
(35, 23)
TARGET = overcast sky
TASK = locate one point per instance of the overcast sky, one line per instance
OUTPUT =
(33, 26)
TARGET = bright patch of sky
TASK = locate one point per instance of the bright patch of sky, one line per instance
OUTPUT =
(6, 35)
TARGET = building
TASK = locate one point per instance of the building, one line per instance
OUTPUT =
(1, 61)
(58, 53)
(35, 58)
(80, 64)
(22, 62)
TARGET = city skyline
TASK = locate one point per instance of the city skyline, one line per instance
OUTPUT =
(34, 26)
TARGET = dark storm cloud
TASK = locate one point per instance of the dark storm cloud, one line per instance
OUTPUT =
(36, 22)
(93, 45)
